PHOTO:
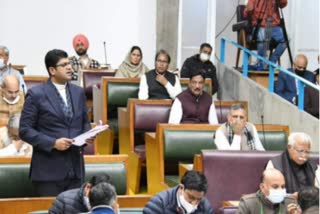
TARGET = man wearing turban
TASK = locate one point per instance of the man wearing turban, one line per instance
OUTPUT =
(81, 45)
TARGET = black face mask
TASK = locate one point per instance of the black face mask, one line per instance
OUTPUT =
(299, 72)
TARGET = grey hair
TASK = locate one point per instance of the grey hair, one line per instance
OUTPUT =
(237, 106)
(14, 121)
(5, 49)
(303, 136)
(102, 194)
(3, 79)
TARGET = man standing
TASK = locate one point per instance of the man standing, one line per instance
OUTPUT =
(265, 19)
(270, 198)
(54, 113)
(159, 83)
(81, 45)
(287, 85)
(294, 163)
(187, 197)
(201, 62)
(11, 98)
(237, 133)
(193, 105)
(7, 69)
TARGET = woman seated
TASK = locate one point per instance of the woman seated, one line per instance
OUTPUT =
(132, 66)
(10, 143)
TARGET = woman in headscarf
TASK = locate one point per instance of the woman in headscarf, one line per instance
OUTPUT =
(132, 66)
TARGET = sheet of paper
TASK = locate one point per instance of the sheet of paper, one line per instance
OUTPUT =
(81, 139)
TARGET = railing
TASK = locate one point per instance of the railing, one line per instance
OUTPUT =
(272, 66)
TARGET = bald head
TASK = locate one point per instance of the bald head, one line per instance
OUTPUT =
(301, 61)
(10, 86)
(271, 179)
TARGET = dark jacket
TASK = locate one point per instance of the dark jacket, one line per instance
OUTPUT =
(43, 121)
(102, 210)
(311, 101)
(286, 86)
(69, 202)
(156, 90)
(166, 202)
(194, 64)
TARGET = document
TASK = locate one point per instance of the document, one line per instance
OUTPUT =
(81, 139)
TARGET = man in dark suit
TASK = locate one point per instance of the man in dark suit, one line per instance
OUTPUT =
(311, 97)
(287, 85)
(53, 114)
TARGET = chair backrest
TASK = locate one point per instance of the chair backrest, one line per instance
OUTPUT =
(273, 137)
(207, 85)
(239, 11)
(233, 173)
(188, 139)
(32, 81)
(91, 78)
(115, 93)
(14, 174)
(223, 109)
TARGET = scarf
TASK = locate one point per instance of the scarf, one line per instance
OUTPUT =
(290, 173)
(128, 70)
(250, 140)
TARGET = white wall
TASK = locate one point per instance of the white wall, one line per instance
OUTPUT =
(30, 28)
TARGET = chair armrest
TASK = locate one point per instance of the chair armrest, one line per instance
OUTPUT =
(240, 25)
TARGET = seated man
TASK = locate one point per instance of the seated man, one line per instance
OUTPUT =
(237, 133)
(270, 198)
(311, 97)
(159, 83)
(11, 97)
(199, 62)
(103, 199)
(194, 105)
(308, 202)
(10, 142)
(77, 200)
(287, 85)
(6, 69)
(294, 163)
(187, 197)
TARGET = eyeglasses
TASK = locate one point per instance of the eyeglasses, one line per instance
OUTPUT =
(162, 61)
(301, 151)
(238, 116)
(63, 64)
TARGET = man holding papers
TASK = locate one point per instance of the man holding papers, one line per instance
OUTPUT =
(54, 113)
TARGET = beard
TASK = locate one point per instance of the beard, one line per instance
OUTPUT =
(81, 52)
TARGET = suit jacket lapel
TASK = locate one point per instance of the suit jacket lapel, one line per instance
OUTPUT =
(53, 98)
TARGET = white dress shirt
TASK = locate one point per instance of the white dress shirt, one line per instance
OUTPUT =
(62, 91)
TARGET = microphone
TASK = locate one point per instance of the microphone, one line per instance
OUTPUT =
(23, 90)
(220, 105)
(105, 52)
(9, 68)
(264, 136)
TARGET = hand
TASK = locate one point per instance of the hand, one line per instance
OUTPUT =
(161, 79)
(62, 144)
(293, 209)
(17, 144)
(90, 140)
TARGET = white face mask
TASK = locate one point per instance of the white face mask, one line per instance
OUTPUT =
(16, 100)
(2, 63)
(186, 205)
(276, 196)
(204, 57)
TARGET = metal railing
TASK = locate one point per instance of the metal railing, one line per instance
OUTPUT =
(272, 66)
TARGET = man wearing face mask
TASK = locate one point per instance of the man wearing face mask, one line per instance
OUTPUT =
(187, 197)
(202, 62)
(77, 200)
(193, 105)
(11, 98)
(270, 198)
(237, 133)
(287, 86)
(6, 68)
(298, 170)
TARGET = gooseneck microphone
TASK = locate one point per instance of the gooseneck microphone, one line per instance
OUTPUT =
(105, 52)
(264, 136)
